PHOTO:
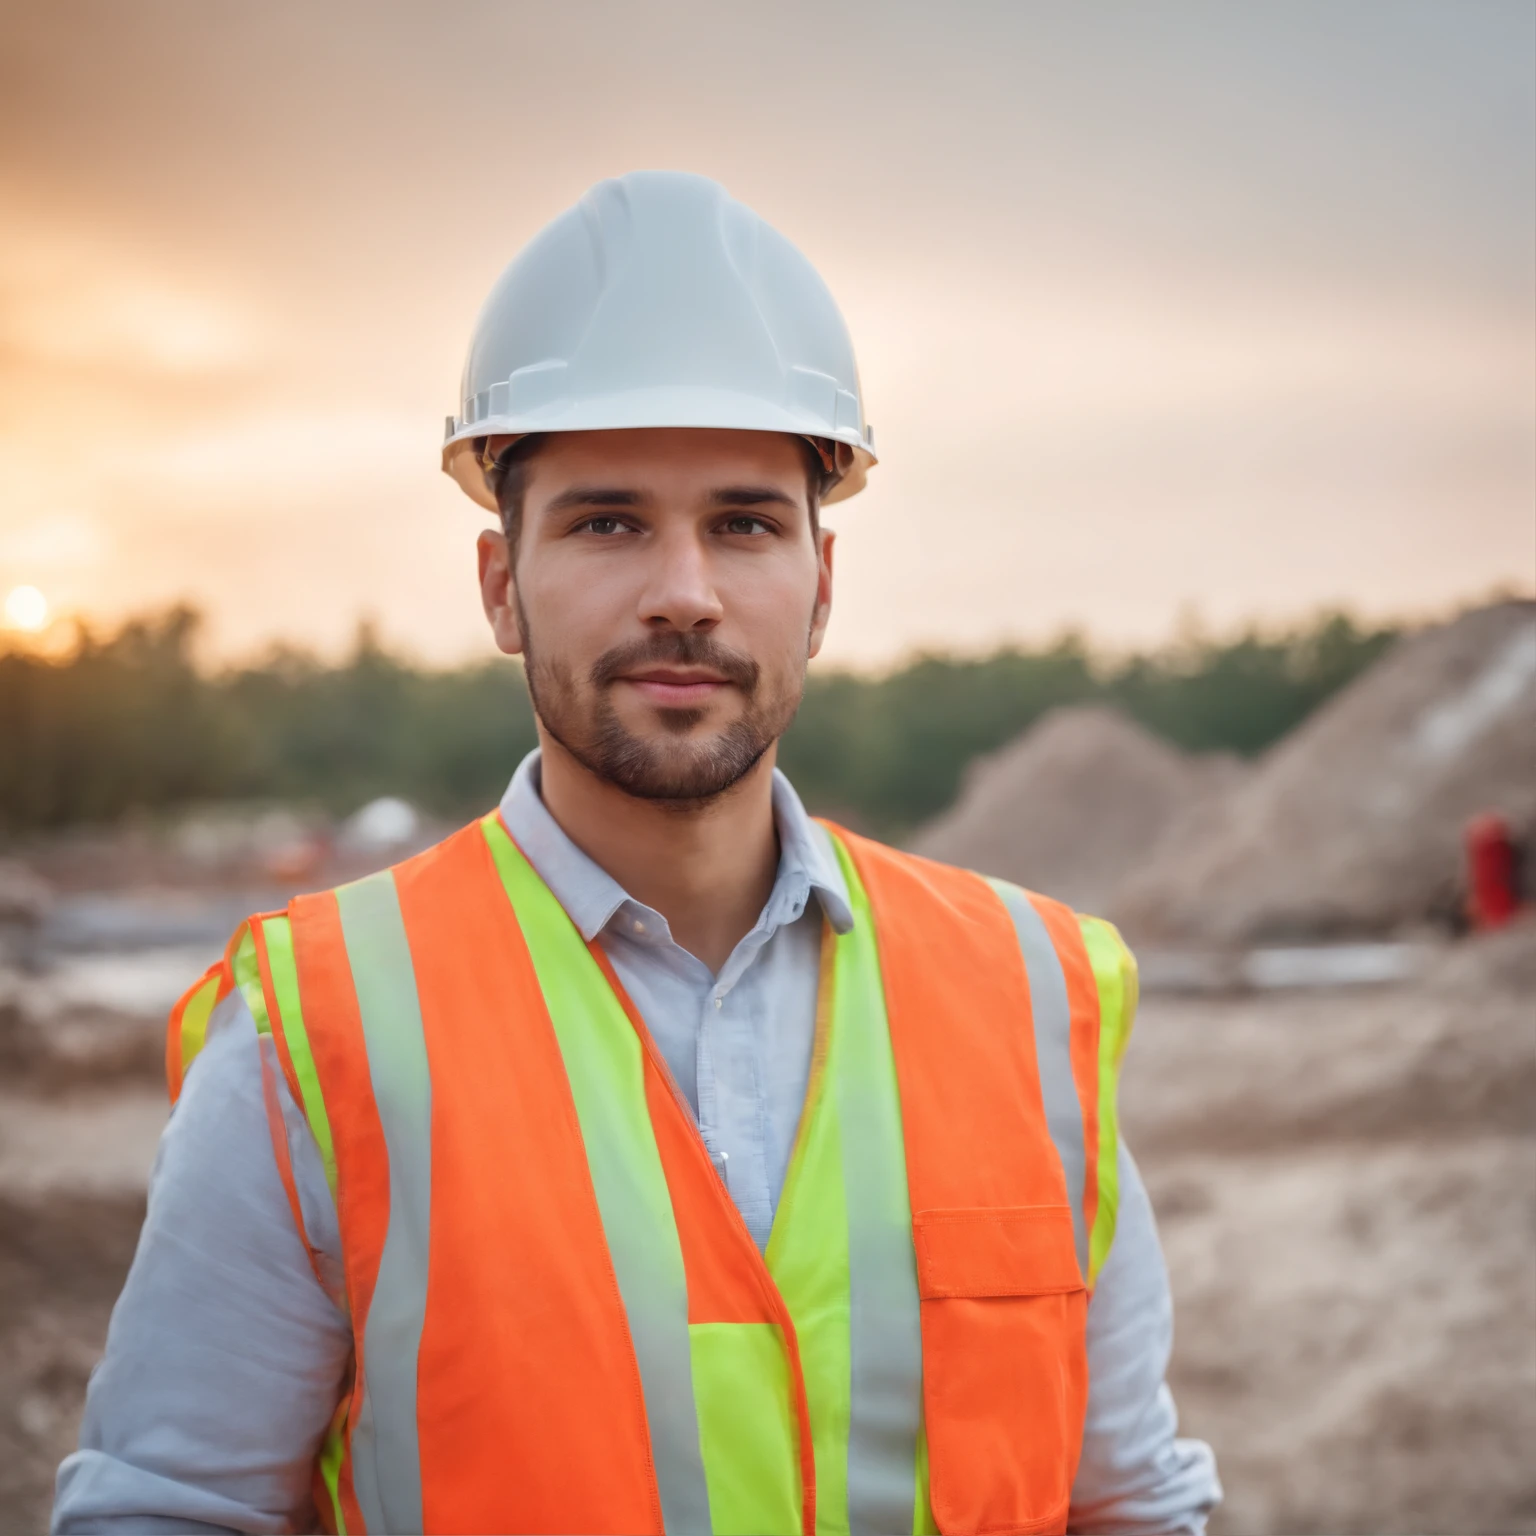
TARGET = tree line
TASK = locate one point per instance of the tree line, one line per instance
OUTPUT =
(128, 723)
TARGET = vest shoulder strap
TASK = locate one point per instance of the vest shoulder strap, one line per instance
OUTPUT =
(983, 1068)
(187, 1029)
(941, 928)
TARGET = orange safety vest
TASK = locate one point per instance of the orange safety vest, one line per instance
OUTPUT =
(560, 1320)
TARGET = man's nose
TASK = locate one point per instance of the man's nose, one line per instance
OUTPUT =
(680, 590)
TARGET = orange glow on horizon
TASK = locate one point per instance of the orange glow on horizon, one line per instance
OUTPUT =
(1122, 357)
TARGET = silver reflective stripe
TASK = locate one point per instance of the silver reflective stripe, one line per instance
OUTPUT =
(1053, 1050)
(885, 1343)
(386, 1456)
(654, 1290)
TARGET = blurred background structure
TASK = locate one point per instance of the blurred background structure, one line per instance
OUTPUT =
(1193, 588)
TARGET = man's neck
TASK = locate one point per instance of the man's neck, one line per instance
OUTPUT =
(708, 871)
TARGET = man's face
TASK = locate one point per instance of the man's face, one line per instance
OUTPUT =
(666, 594)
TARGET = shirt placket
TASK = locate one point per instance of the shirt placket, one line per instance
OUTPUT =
(709, 1099)
(736, 1087)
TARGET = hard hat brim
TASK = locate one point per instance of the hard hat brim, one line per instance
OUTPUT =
(676, 406)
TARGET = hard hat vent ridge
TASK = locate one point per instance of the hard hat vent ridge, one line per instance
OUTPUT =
(609, 223)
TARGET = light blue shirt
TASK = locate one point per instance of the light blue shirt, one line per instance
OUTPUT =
(226, 1357)
(739, 1044)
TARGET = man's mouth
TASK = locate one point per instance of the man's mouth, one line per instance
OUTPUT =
(676, 687)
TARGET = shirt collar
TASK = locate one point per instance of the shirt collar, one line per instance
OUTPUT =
(590, 895)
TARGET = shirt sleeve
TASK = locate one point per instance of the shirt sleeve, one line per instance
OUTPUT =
(1136, 1477)
(225, 1357)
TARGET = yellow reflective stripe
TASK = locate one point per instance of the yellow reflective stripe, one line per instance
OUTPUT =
(807, 1255)
(278, 933)
(923, 1523)
(195, 1014)
(1114, 972)
(747, 1430)
(604, 1064)
(248, 978)
(332, 1450)
(285, 983)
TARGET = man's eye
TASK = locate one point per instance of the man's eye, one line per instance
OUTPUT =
(603, 525)
(749, 525)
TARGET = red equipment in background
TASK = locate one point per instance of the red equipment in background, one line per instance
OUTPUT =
(1493, 872)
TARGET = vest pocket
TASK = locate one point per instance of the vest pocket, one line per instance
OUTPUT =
(1005, 1368)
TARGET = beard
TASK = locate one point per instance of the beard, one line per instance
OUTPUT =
(674, 768)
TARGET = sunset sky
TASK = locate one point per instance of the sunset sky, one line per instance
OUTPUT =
(1159, 307)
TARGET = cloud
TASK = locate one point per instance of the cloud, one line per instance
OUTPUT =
(307, 453)
(53, 542)
(71, 301)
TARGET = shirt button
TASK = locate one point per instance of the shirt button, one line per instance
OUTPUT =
(639, 926)
(719, 1002)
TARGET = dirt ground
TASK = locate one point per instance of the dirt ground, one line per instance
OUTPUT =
(1346, 1187)
(62, 1261)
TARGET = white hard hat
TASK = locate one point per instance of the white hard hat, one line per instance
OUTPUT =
(660, 301)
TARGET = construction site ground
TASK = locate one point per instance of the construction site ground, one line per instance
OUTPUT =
(1346, 1186)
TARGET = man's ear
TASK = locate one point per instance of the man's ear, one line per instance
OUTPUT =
(498, 596)
(822, 613)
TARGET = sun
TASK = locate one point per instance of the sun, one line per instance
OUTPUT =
(26, 609)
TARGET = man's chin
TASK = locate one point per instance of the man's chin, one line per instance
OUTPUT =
(686, 768)
(688, 765)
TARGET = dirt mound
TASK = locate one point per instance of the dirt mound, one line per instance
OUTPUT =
(1072, 806)
(1352, 825)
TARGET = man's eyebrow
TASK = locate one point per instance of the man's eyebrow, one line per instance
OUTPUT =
(751, 496)
(593, 496)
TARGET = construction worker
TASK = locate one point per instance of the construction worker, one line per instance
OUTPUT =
(648, 1156)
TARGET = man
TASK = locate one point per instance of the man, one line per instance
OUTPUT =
(648, 1156)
